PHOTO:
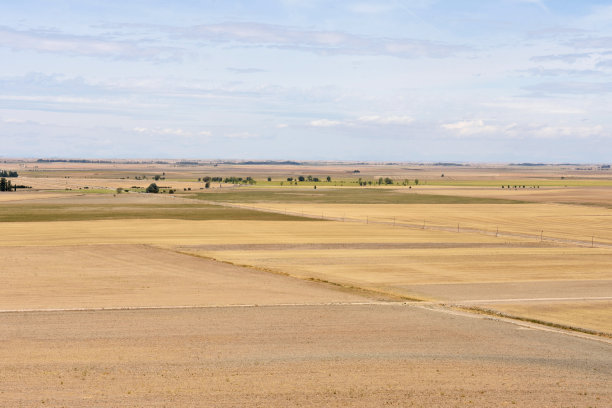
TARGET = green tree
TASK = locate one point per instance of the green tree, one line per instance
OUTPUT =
(152, 188)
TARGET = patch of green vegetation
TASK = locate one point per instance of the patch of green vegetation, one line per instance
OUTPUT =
(72, 212)
(341, 196)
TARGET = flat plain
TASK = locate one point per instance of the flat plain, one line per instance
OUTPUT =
(446, 292)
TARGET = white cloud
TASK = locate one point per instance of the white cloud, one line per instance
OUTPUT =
(470, 127)
(386, 120)
(171, 132)
(56, 42)
(525, 130)
(554, 132)
(324, 123)
(323, 42)
(544, 107)
(242, 135)
(282, 125)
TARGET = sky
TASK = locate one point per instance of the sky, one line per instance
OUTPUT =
(413, 80)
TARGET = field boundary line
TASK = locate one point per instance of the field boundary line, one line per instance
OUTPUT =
(365, 292)
(535, 324)
(566, 299)
(181, 307)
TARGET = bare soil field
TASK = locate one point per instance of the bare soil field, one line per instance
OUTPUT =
(278, 356)
(116, 276)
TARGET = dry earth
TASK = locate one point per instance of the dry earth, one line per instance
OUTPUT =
(116, 276)
(278, 356)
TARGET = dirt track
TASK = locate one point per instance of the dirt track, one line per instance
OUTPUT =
(294, 356)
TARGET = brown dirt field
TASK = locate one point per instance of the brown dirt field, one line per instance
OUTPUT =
(278, 356)
(107, 276)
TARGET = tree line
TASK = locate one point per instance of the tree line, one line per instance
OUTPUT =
(6, 185)
(8, 173)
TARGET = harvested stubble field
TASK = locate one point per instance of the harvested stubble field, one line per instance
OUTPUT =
(566, 222)
(536, 251)
(206, 333)
(586, 195)
(591, 314)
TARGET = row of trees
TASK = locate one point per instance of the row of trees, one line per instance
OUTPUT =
(305, 178)
(5, 185)
(8, 173)
(385, 181)
(208, 179)
(229, 180)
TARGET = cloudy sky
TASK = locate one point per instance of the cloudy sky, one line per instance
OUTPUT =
(413, 80)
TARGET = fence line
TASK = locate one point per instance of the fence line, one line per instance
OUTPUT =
(541, 236)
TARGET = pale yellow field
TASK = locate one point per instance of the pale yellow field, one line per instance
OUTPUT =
(593, 315)
(26, 196)
(185, 232)
(569, 222)
(412, 271)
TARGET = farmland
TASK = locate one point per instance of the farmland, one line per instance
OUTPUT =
(447, 292)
